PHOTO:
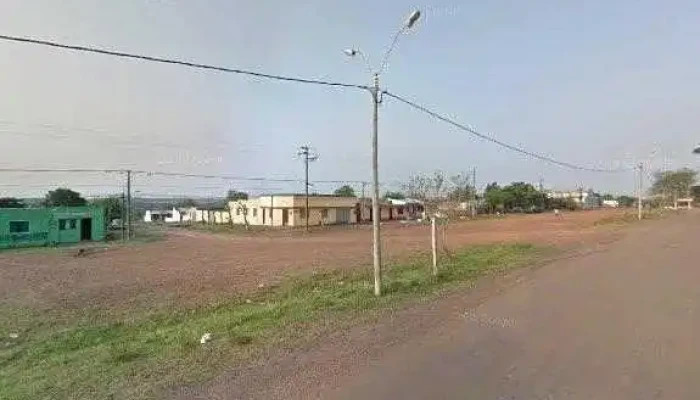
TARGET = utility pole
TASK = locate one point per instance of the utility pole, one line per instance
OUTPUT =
(376, 93)
(639, 193)
(474, 192)
(123, 216)
(128, 205)
(305, 151)
(376, 213)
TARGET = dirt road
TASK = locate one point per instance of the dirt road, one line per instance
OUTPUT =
(621, 322)
(189, 268)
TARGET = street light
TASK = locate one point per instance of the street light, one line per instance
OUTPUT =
(696, 150)
(376, 100)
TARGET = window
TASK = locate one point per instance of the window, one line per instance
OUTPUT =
(400, 210)
(302, 213)
(66, 224)
(324, 213)
(19, 226)
(255, 212)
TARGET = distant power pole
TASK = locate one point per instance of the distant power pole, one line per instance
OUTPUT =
(474, 192)
(308, 156)
(128, 205)
(123, 216)
(639, 194)
(541, 185)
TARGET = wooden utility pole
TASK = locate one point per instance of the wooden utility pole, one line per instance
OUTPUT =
(474, 199)
(639, 193)
(128, 205)
(433, 241)
(123, 216)
(308, 156)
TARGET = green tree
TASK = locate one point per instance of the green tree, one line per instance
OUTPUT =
(607, 196)
(345, 191)
(626, 201)
(673, 184)
(494, 197)
(394, 195)
(522, 196)
(10, 202)
(64, 197)
(235, 195)
(113, 206)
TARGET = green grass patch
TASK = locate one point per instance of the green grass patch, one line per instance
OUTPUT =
(138, 356)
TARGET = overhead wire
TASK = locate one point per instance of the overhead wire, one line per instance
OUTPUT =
(498, 142)
(190, 64)
(436, 115)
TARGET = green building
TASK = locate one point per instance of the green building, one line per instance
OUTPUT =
(24, 227)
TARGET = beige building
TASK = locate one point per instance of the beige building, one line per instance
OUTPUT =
(290, 210)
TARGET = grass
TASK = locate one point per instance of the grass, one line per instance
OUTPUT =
(136, 357)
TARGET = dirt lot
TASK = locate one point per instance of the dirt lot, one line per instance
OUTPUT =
(190, 266)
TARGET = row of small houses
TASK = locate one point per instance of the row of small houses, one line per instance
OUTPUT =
(290, 210)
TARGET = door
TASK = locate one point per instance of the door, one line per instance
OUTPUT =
(86, 229)
(285, 217)
(342, 215)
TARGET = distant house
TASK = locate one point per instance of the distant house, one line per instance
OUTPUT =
(24, 227)
(290, 210)
(406, 209)
(611, 203)
(586, 199)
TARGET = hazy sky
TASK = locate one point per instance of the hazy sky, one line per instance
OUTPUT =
(597, 83)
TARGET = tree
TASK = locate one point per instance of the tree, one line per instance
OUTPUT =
(63, 197)
(187, 203)
(522, 196)
(394, 195)
(461, 190)
(10, 202)
(113, 207)
(607, 196)
(673, 184)
(494, 197)
(626, 201)
(345, 191)
(235, 195)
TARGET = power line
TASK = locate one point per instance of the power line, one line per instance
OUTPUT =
(189, 64)
(172, 174)
(496, 141)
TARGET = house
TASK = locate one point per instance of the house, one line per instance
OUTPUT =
(406, 209)
(157, 216)
(686, 203)
(290, 210)
(175, 215)
(586, 199)
(25, 227)
(611, 203)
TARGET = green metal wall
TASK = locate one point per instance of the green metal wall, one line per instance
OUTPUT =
(45, 225)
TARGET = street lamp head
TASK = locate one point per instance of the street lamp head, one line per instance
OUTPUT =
(412, 19)
(350, 52)
(696, 150)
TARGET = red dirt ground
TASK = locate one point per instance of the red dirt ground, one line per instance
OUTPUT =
(190, 267)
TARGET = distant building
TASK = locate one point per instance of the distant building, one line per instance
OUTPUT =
(611, 203)
(290, 210)
(406, 209)
(586, 199)
(25, 227)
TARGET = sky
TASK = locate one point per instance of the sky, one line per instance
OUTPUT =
(598, 83)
